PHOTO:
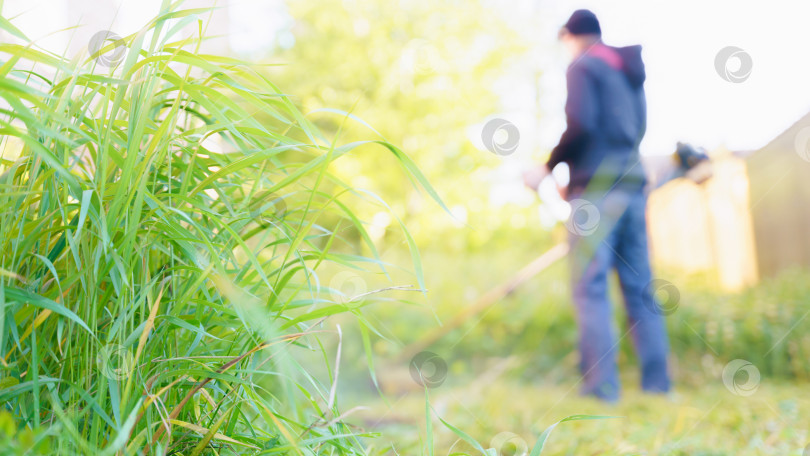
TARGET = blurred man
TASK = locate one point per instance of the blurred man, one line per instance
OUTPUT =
(606, 117)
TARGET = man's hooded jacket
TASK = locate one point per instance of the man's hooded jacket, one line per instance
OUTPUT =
(606, 115)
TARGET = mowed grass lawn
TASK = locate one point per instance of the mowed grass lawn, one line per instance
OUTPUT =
(700, 420)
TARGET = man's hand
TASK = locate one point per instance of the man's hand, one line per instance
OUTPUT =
(533, 177)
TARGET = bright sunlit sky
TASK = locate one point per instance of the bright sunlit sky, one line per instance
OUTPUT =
(688, 100)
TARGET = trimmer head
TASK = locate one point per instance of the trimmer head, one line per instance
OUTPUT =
(693, 163)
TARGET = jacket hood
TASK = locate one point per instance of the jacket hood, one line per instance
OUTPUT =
(632, 65)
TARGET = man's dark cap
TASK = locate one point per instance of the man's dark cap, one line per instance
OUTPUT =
(582, 22)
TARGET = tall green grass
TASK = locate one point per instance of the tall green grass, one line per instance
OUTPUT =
(164, 224)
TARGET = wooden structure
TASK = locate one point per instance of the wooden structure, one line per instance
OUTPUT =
(751, 220)
(779, 178)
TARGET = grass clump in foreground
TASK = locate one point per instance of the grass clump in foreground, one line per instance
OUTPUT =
(164, 224)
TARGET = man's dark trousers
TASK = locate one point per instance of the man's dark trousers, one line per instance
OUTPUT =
(615, 237)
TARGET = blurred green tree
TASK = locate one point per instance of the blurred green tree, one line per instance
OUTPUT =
(422, 72)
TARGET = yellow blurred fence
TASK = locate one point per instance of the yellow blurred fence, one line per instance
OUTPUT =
(750, 220)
